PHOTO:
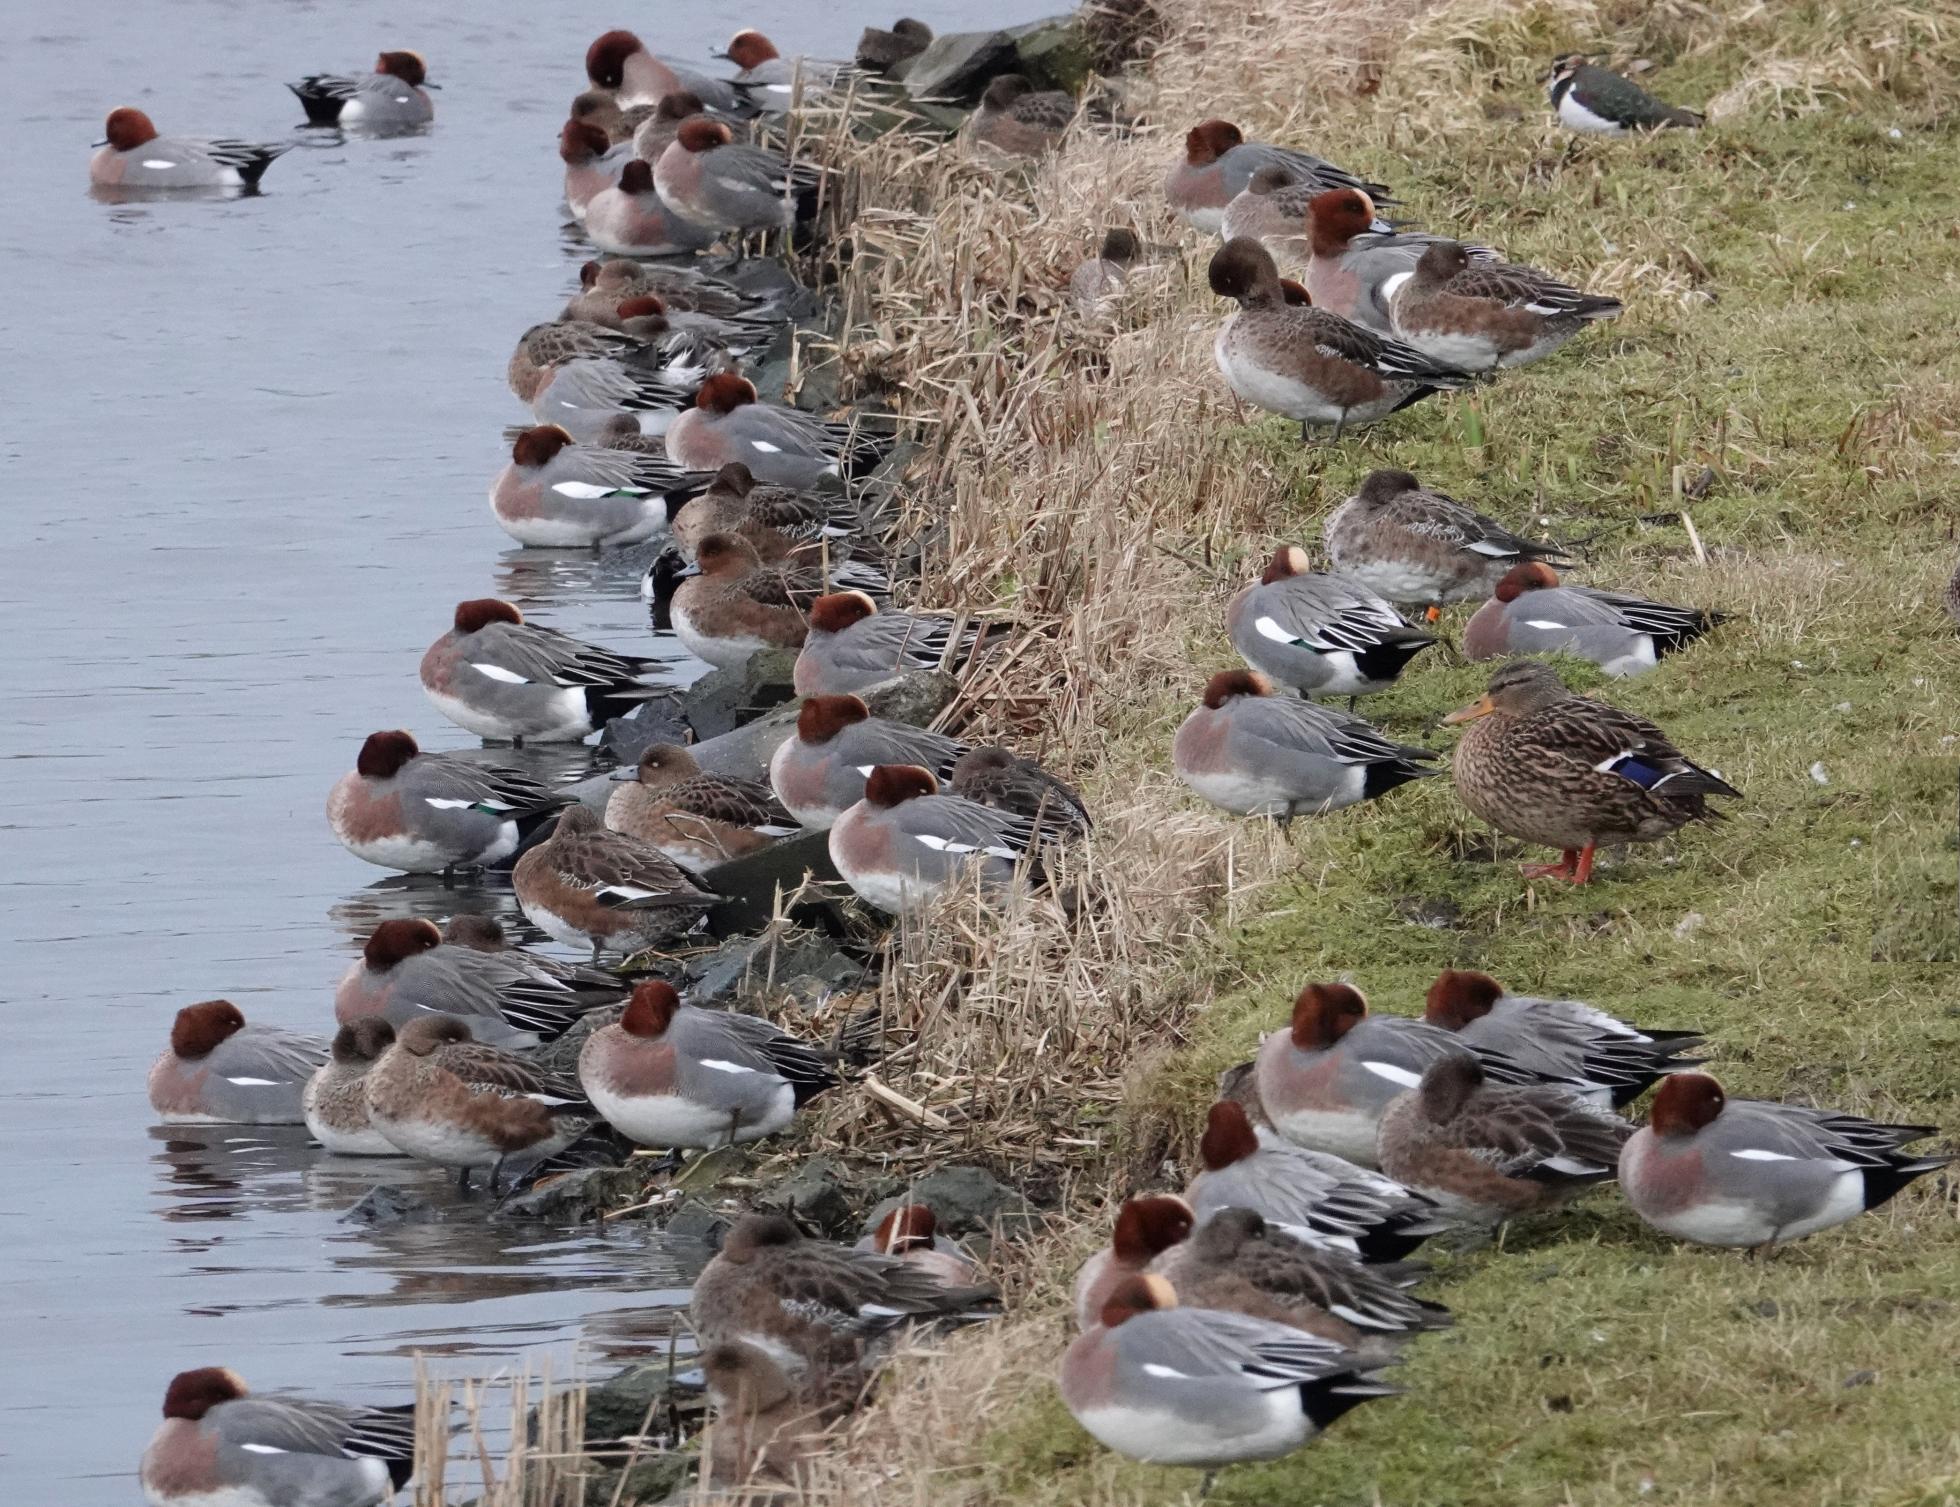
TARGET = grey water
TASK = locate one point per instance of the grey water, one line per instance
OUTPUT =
(242, 485)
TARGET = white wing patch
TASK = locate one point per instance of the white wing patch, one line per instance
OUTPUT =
(865, 769)
(253, 1082)
(1390, 286)
(443, 805)
(1392, 1073)
(1169, 1373)
(628, 891)
(766, 448)
(1542, 622)
(263, 1449)
(1490, 547)
(580, 491)
(1757, 1154)
(499, 673)
(160, 163)
(1267, 628)
(725, 1067)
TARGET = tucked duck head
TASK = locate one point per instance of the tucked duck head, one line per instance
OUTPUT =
(1288, 560)
(1147, 1227)
(404, 65)
(892, 785)
(127, 129)
(651, 1009)
(1441, 261)
(200, 1029)
(1226, 684)
(636, 177)
(735, 478)
(1459, 996)
(474, 616)
(1324, 1013)
(1447, 1084)
(744, 1379)
(699, 134)
(1530, 575)
(576, 820)
(393, 942)
(1229, 1136)
(682, 104)
(1338, 216)
(1243, 270)
(1149, 1293)
(1379, 488)
(618, 272)
(840, 610)
(1209, 140)
(822, 718)
(192, 1394)
(1119, 246)
(538, 445)
(429, 1033)
(605, 59)
(759, 1232)
(1685, 1103)
(596, 106)
(911, 1227)
(977, 762)
(645, 312)
(383, 754)
(724, 392)
(581, 143)
(726, 555)
(1295, 293)
(750, 49)
(1222, 1235)
(360, 1042)
(1270, 179)
(1517, 689)
(1005, 90)
(478, 933)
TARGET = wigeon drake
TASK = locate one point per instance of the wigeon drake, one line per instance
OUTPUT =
(910, 1233)
(1002, 779)
(818, 773)
(584, 395)
(699, 820)
(781, 446)
(1327, 1078)
(132, 155)
(500, 677)
(629, 218)
(1322, 635)
(1353, 264)
(813, 1305)
(649, 350)
(1250, 752)
(852, 645)
(603, 286)
(1019, 120)
(1099, 281)
(737, 607)
(335, 1102)
(1546, 766)
(218, 1070)
(1530, 612)
(428, 813)
(1422, 547)
(617, 61)
(557, 494)
(393, 96)
(592, 163)
(1307, 364)
(1596, 101)
(1219, 163)
(1746, 1172)
(1321, 1199)
(587, 887)
(772, 79)
(1198, 1386)
(717, 185)
(681, 344)
(904, 844)
(1145, 1228)
(673, 1075)
(1558, 1040)
(407, 970)
(221, 1447)
(1478, 314)
(1489, 1152)
(442, 1096)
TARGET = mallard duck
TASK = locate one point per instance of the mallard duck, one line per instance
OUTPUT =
(1546, 766)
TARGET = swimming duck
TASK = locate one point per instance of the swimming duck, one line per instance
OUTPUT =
(1546, 766)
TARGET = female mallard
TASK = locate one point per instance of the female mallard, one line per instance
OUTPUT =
(1551, 767)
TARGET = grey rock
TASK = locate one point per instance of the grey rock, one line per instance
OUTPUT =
(619, 1408)
(695, 1222)
(744, 753)
(577, 1197)
(658, 719)
(958, 65)
(386, 1206)
(1054, 54)
(723, 700)
(966, 1200)
(792, 960)
(751, 883)
(816, 1195)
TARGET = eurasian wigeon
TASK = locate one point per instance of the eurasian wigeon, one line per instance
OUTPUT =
(1478, 314)
(1314, 1196)
(1558, 1040)
(1145, 1228)
(784, 447)
(699, 820)
(673, 1075)
(680, 341)
(392, 97)
(910, 1233)
(706, 178)
(685, 289)
(1326, 1079)
(1272, 210)
(1019, 120)
(1422, 547)
(442, 1096)
(1353, 264)
(772, 80)
(619, 62)
(655, 354)
(601, 108)
(736, 606)
(500, 677)
(426, 813)
(881, 50)
(766, 1423)
(583, 395)
(811, 1304)
(221, 1447)
(218, 1070)
(1219, 162)
(1599, 102)
(1198, 1386)
(335, 1101)
(1530, 612)
(1322, 635)
(587, 887)
(818, 772)
(629, 218)
(904, 843)
(592, 163)
(774, 520)
(1253, 753)
(852, 645)
(132, 155)
(1544, 765)
(1746, 1172)
(663, 123)
(1488, 1152)
(407, 970)
(1000, 778)
(1308, 364)
(558, 494)
(1097, 282)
